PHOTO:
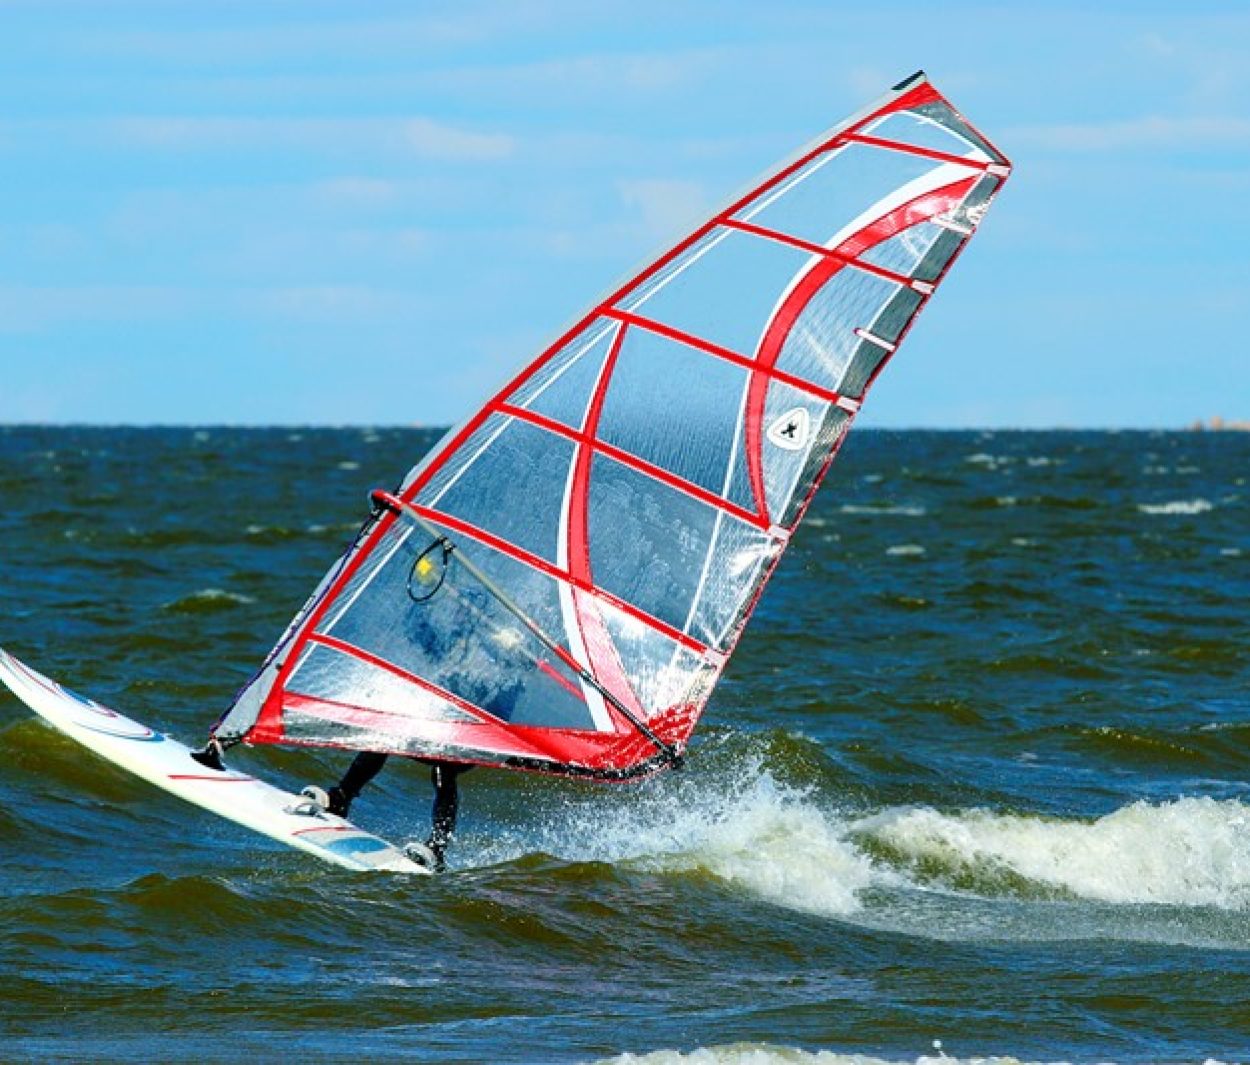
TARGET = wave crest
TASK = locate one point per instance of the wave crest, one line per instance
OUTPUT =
(1190, 852)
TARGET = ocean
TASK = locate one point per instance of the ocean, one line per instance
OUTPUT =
(974, 785)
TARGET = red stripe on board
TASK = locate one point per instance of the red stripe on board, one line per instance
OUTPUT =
(915, 149)
(626, 458)
(504, 547)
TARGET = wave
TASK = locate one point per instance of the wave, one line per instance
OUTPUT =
(207, 601)
(1177, 506)
(905, 550)
(752, 833)
(899, 510)
(770, 1054)
(1189, 852)
(795, 846)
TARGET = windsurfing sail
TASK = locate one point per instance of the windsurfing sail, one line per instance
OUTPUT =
(559, 584)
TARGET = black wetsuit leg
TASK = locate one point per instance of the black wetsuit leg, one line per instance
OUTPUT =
(443, 776)
(365, 766)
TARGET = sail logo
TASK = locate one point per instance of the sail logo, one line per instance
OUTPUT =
(791, 430)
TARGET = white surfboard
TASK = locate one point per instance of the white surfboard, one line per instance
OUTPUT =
(160, 760)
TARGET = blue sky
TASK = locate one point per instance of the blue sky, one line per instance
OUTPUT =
(345, 213)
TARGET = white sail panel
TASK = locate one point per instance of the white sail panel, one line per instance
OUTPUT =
(722, 290)
(678, 409)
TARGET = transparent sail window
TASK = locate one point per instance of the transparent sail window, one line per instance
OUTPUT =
(905, 251)
(671, 556)
(459, 636)
(922, 130)
(513, 487)
(789, 469)
(665, 675)
(821, 343)
(329, 674)
(834, 195)
(563, 387)
(722, 290)
(678, 408)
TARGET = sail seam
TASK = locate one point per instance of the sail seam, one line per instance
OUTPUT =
(828, 253)
(692, 341)
(359, 653)
(915, 149)
(626, 458)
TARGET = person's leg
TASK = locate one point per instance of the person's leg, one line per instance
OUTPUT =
(446, 806)
(365, 766)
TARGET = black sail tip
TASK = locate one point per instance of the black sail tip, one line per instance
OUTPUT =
(907, 81)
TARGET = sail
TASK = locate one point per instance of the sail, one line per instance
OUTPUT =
(559, 584)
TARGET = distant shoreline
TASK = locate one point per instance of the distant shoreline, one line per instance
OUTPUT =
(1219, 425)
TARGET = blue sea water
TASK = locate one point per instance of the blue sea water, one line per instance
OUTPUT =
(977, 774)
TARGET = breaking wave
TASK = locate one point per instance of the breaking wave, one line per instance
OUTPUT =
(758, 835)
(1190, 852)
(768, 1054)
(1178, 506)
(207, 601)
(782, 845)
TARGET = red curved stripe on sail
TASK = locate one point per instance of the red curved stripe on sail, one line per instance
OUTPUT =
(916, 210)
(604, 661)
(921, 209)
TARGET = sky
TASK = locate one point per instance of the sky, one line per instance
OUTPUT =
(349, 212)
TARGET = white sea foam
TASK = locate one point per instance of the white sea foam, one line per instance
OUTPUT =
(899, 509)
(758, 835)
(905, 550)
(1190, 852)
(208, 599)
(769, 1054)
(783, 846)
(1177, 506)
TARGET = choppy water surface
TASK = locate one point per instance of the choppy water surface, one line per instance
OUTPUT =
(977, 774)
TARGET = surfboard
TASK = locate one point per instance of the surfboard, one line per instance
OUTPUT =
(161, 760)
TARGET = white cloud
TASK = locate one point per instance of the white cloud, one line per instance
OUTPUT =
(351, 37)
(356, 192)
(415, 135)
(328, 303)
(667, 206)
(1151, 131)
(437, 141)
(32, 308)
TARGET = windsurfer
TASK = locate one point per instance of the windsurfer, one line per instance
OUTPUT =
(368, 764)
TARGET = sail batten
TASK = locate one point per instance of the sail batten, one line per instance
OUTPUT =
(559, 584)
